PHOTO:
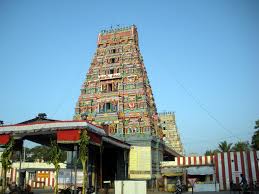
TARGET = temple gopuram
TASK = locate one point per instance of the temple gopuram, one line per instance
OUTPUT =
(116, 91)
(117, 95)
(170, 131)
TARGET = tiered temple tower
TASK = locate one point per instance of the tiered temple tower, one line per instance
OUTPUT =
(117, 94)
(170, 131)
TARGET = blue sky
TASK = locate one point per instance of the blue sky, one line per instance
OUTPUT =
(202, 59)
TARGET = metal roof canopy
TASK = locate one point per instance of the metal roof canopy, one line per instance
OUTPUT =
(42, 131)
(49, 126)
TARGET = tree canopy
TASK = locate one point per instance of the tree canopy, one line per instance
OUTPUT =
(211, 152)
(6, 161)
(41, 153)
(241, 146)
(83, 155)
(255, 137)
(55, 159)
(224, 146)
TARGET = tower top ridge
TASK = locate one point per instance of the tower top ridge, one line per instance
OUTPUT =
(118, 29)
(113, 35)
(166, 113)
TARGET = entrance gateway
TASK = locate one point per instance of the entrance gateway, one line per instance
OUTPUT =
(108, 157)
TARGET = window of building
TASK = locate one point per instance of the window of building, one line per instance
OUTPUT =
(111, 71)
(112, 60)
(83, 91)
(113, 50)
(109, 87)
(32, 175)
(164, 128)
(108, 107)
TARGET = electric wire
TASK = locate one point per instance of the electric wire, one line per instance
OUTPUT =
(197, 101)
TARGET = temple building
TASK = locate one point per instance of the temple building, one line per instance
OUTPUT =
(116, 91)
(117, 95)
(170, 131)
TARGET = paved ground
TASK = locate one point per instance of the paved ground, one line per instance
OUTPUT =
(208, 192)
(162, 192)
(42, 191)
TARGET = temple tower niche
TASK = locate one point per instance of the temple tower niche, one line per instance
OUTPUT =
(116, 91)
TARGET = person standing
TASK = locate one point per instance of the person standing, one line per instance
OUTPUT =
(243, 183)
(178, 186)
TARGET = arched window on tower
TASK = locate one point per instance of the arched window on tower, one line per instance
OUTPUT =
(111, 71)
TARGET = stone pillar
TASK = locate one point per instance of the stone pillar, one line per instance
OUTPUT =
(21, 178)
(121, 165)
(75, 167)
(126, 163)
(165, 183)
(101, 166)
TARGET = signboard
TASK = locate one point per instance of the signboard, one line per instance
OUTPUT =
(4, 139)
(42, 174)
(140, 162)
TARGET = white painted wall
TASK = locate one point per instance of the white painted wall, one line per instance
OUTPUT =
(130, 187)
(205, 187)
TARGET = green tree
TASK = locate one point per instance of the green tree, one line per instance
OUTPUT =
(255, 137)
(83, 155)
(257, 124)
(55, 159)
(211, 152)
(208, 153)
(41, 152)
(224, 146)
(241, 146)
(6, 160)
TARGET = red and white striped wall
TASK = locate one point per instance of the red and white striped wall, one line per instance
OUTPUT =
(229, 166)
(12, 174)
(35, 182)
(194, 160)
(40, 182)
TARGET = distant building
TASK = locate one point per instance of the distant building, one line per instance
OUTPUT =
(36, 174)
(170, 131)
